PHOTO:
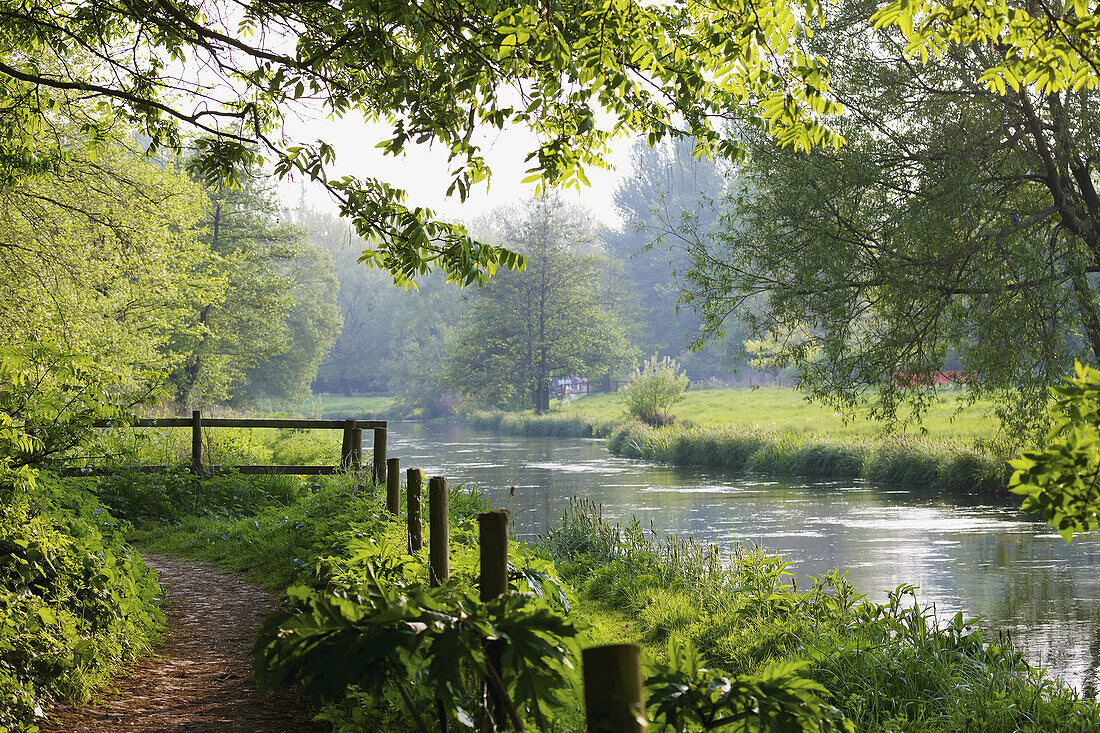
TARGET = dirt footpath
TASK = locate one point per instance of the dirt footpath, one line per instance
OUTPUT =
(198, 680)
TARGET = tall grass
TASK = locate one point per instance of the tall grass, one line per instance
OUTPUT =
(888, 667)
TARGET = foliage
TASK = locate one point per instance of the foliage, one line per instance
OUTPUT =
(98, 256)
(75, 600)
(552, 320)
(430, 321)
(886, 667)
(367, 308)
(958, 225)
(50, 399)
(382, 634)
(1051, 47)
(313, 322)
(237, 341)
(580, 72)
(1061, 482)
(654, 387)
(687, 697)
(665, 183)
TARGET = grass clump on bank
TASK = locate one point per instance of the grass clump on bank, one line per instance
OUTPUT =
(899, 461)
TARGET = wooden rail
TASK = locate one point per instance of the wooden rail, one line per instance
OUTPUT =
(351, 447)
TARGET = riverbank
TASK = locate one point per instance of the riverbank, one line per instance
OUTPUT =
(884, 667)
(331, 549)
(905, 461)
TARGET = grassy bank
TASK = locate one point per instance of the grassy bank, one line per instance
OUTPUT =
(941, 460)
(887, 667)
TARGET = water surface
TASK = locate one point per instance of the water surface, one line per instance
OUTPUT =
(983, 558)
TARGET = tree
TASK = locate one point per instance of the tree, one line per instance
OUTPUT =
(954, 222)
(97, 256)
(430, 317)
(575, 73)
(313, 321)
(368, 305)
(551, 320)
(235, 328)
(666, 182)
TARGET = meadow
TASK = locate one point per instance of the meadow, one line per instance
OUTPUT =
(787, 410)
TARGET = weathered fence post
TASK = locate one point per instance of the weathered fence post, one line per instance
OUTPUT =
(393, 486)
(494, 583)
(439, 540)
(348, 442)
(414, 481)
(379, 455)
(196, 442)
(494, 553)
(357, 448)
(613, 692)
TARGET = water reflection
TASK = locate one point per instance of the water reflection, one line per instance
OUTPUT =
(966, 554)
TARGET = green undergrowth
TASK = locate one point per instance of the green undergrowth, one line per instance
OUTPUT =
(323, 542)
(343, 566)
(901, 461)
(76, 601)
(887, 667)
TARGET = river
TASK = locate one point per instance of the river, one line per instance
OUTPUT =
(984, 558)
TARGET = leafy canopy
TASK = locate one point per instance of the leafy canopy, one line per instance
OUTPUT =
(1053, 46)
(576, 73)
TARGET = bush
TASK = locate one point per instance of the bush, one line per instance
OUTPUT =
(75, 600)
(653, 389)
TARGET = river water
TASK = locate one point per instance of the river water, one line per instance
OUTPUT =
(984, 558)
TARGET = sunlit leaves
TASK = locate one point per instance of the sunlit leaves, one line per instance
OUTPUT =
(577, 74)
(685, 696)
(1061, 482)
(390, 634)
(1048, 46)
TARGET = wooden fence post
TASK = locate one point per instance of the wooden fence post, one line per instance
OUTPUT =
(494, 553)
(393, 486)
(493, 583)
(439, 540)
(196, 442)
(346, 445)
(357, 449)
(414, 481)
(379, 455)
(613, 694)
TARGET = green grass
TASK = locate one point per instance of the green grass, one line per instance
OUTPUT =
(888, 667)
(333, 406)
(786, 410)
(775, 431)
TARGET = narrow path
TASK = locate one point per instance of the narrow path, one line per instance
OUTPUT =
(198, 681)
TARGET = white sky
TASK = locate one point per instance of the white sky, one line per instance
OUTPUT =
(422, 171)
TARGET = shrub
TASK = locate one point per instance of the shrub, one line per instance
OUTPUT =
(653, 389)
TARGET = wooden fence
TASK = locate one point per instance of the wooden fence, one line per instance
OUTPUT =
(351, 447)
